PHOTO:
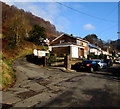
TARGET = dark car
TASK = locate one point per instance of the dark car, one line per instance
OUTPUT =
(87, 65)
(108, 62)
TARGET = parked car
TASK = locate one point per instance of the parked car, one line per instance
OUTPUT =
(101, 63)
(87, 65)
(117, 61)
(108, 62)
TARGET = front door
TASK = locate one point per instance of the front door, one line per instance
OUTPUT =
(81, 52)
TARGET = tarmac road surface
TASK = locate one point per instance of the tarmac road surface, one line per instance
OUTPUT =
(46, 87)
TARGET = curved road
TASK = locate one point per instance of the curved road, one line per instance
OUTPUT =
(46, 87)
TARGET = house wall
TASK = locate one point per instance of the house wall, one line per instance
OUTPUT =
(105, 52)
(61, 50)
(39, 53)
(82, 52)
(81, 43)
(74, 52)
(85, 44)
(95, 51)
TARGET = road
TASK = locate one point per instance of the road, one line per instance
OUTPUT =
(47, 87)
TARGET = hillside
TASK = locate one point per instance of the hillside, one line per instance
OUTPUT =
(94, 39)
(8, 12)
(17, 26)
(116, 44)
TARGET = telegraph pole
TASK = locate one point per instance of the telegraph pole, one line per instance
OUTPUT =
(118, 20)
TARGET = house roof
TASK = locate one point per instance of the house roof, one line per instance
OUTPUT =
(71, 37)
(93, 46)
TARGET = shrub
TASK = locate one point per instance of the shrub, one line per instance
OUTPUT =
(91, 56)
(51, 59)
(48, 54)
(102, 56)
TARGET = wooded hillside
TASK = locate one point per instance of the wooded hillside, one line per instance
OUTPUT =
(16, 24)
(94, 39)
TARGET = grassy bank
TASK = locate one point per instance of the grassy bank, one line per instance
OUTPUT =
(7, 73)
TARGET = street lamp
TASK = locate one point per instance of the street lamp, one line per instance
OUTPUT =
(118, 35)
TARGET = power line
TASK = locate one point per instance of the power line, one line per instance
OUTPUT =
(106, 29)
(109, 14)
(99, 18)
(81, 12)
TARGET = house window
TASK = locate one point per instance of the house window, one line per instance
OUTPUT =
(61, 41)
(78, 42)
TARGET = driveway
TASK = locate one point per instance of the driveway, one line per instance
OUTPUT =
(48, 87)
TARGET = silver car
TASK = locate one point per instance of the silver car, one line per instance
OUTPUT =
(101, 63)
(117, 61)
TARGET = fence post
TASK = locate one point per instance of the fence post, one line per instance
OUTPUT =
(44, 61)
(67, 62)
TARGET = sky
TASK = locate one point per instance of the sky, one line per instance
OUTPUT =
(77, 18)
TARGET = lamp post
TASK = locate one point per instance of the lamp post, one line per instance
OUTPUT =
(118, 35)
(118, 22)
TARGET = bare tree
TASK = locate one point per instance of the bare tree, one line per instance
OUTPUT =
(16, 28)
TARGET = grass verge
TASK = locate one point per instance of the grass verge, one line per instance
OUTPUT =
(7, 73)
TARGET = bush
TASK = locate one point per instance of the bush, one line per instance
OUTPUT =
(51, 59)
(102, 56)
(48, 54)
(96, 56)
(63, 55)
(91, 56)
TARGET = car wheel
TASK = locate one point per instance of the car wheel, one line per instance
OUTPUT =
(99, 67)
(91, 69)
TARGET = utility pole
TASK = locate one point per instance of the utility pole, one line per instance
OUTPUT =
(118, 20)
